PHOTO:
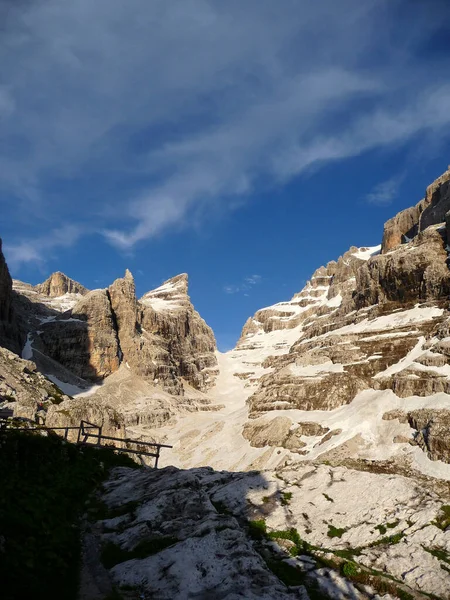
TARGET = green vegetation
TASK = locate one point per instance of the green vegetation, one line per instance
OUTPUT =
(383, 528)
(266, 499)
(286, 497)
(220, 507)
(383, 583)
(335, 531)
(327, 497)
(350, 569)
(112, 554)
(440, 554)
(257, 529)
(45, 485)
(388, 540)
(443, 518)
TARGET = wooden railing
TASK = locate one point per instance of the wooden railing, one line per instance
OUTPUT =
(85, 432)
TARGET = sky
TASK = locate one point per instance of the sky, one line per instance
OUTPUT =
(245, 143)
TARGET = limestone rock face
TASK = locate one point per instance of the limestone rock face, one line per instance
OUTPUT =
(403, 227)
(9, 333)
(201, 514)
(415, 271)
(370, 329)
(23, 387)
(433, 432)
(70, 414)
(169, 314)
(59, 284)
(429, 211)
(437, 202)
(90, 334)
(86, 343)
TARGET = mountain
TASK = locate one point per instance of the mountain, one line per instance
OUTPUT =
(338, 397)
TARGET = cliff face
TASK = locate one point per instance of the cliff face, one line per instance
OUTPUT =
(59, 284)
(161, 338)
(368, 333)
(9, 332)
(429, 211)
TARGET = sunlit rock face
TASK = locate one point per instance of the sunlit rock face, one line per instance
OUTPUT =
(368, 330)
(59, 284)
(83, 337)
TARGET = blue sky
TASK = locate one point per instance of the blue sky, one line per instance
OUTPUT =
(245, 143)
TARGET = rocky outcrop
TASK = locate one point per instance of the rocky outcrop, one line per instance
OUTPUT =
(9, 332)
(70, 414)
(59, 284)
(161, 338)
(23, 388)
(368, 325)
(437, 202)
(176, 533)
(402, 228)
(429, 211)
(415, 271)
(433, 432)
(86, 343)
(169, 314)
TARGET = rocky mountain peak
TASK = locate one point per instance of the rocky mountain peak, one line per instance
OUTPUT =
(59, 284)
(128, 274)
(172, 294)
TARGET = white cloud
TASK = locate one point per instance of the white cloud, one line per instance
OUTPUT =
(385, 192)
(245, 286)
(154, 114)
(38, 249)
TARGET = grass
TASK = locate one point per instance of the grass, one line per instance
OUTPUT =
(388, 540)
(286, 497)
(257, 529)
(443, 518)
(383, 528)
(440, 554)
(45, 485)
(383, 583)
(335, 531)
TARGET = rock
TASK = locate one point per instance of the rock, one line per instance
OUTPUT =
(203, 553)
(22, 385)
(429, 211)
(9, 332)
(85, 343)
(437, 202)
(402, 228)
(401, 439)
(262, 433)
(70, 413)
(397, 414)
(433, 432)
(329, 435)
(59, 284)
(416, 271)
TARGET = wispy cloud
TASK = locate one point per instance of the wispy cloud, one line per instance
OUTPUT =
(385, 192)
(151, 116)
(244, 287)
(38, 249)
